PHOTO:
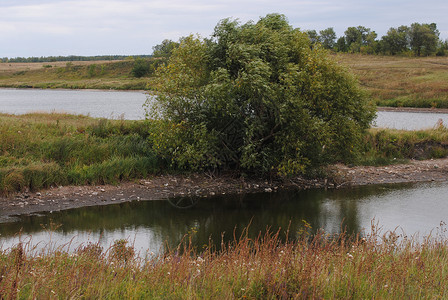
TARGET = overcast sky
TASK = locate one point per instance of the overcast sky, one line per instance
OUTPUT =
(103, 27)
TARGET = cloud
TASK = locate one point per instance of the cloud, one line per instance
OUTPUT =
(90, 27)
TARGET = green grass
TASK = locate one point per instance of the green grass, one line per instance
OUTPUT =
(42, 150)
(322, 267)
(390, 146)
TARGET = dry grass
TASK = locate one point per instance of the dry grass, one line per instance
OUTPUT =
(10, 68)
(401, 81)
(341, 267)
(71, 75)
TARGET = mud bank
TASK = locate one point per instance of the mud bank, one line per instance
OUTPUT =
(200, 185)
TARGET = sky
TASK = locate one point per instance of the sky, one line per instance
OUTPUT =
(132, 27)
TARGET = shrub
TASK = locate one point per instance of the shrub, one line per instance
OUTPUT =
(257, 97)
(141, 67)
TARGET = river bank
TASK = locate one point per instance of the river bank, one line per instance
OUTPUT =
(200, 185)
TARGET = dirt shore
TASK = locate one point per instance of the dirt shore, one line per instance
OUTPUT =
(164, 187)
(414, 109)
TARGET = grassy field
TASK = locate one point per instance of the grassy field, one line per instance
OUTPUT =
(378, 266)
(42, 150)
(401, 81)
(72, 75)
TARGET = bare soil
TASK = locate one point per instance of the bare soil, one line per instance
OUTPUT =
(201, 185)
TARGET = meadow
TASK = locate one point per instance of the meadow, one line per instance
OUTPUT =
(72, 75)
(401, 81)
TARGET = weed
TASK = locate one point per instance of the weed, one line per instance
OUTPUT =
(320, 266)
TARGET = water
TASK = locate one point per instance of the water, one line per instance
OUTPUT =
(95, 103)
(409, 120)
(128, 105)
(415, 209)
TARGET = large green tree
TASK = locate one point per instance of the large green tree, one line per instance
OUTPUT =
(256, 97)
(424, 38)
(328, 38)
(396, 40)
(360, 39)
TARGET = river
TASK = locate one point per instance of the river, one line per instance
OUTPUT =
(95, 103)
(129, 105)
(407, 209)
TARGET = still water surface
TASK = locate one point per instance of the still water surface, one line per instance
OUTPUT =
(412, 209)
(409, 120)
(95, 103)
(128, 105)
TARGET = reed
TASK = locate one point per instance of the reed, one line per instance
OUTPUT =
(318, 267)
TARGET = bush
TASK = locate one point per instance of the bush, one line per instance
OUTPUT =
(141, 67)
(267, 101)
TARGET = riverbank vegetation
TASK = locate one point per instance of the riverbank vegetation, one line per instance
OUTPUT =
(319, 267)
(257, 98)
(42, 150)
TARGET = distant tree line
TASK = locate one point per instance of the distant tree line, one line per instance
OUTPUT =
(415, 40)
(69, 58)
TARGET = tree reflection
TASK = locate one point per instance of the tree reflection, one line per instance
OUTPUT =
(211, 218)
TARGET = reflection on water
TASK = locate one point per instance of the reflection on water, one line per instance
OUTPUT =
(150, 224)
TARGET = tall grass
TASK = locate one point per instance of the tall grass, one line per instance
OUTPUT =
(41, 150)
(321, 267)
(388, 146)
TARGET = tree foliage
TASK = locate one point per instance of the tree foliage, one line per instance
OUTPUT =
(165, 49)
(396, 40)
(140, 68)
(424, 38)
(256, 97)
(328, 38)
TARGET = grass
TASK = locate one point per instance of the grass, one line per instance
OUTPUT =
(318, 267)
(42, 150)
(389, 146)
(401, 81)
(72, 75)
